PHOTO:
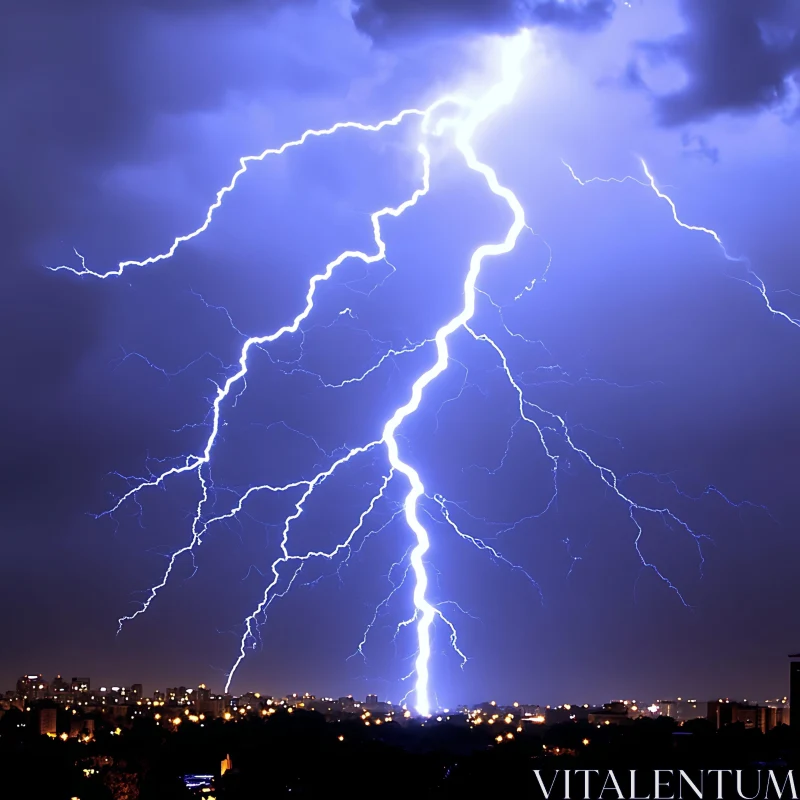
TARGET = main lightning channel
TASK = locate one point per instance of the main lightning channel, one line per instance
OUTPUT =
(498, 96)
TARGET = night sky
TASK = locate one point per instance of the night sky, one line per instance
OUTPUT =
(121, 122)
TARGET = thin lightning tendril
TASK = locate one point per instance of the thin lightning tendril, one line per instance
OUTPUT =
(754, 281)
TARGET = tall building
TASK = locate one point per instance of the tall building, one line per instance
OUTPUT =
(719, 712)
(47, 721)
(668, 708)
(178, 695)
(794, 689)
(729, 712)
(32, 687)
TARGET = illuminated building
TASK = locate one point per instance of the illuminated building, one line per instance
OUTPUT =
(33, 687)
(376, 706)
(794, 684)
(719, 712)
(47, 721)
(667, 708)
(615, 713)
(254, 698)
(753, 717)
(776, 715)
(212, 705)
(179, 695)
(689, 709)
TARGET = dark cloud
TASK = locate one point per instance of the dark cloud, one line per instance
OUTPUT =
(81, 85)
(738, 56)
(83, 89)
(698, 146)
(385, 20)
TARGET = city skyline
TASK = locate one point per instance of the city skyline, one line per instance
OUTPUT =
(82, 742)
(78, 688)
(481, 386)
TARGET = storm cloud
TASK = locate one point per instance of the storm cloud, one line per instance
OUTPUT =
(388, 20)
(81, 86)
(738, 56)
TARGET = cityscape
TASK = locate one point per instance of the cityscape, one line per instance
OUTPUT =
(46, 700)
(109, 725)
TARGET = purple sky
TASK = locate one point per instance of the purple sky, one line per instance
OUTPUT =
(124, 124)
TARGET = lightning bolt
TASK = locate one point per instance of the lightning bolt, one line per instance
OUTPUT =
(462, 123)
(244, 163)
(752, 279)
(500, 95)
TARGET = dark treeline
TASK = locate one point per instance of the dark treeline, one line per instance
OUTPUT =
(286, 755)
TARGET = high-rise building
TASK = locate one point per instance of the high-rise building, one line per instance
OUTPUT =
(718, 712)
(794, 689)
(212, 706)
(80, 684)
(178, 695)
(372, 700)
(729, 712)
(47, 721)
(32, 687)
(776, 715)
(668, 708)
